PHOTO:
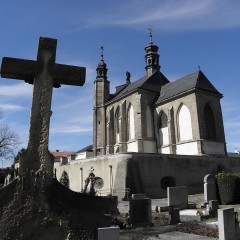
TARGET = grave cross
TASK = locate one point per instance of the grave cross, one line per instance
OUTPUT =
(44, 74)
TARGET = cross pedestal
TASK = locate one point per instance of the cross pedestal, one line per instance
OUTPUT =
(44, 74)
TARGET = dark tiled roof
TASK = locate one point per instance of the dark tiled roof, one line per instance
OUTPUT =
(196, 80)
(153, 82)
(86, 149)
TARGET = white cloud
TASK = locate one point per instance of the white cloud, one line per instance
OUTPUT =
(70, 129)
(16, 90)
(11, 107)
(171, 15)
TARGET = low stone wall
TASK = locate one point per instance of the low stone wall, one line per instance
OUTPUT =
(147, 172)
(47, 210)
(185, 170)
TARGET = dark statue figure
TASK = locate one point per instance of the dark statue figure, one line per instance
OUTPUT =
(128, 77)
(89, 183)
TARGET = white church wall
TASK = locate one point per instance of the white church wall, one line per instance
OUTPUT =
(84, 155)
(132, 146)
(164, 150)
(187, 170)
(101, 169)
(164, 136)
(189, 148)
(186, 106)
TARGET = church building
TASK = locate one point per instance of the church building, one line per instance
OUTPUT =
(154, 115)
(151, 134)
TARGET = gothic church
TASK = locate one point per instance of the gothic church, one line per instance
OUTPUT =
(154, 115)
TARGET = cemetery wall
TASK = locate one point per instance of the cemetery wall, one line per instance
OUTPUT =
(148, 173)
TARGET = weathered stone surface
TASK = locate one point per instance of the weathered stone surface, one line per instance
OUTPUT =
(36, 206)
(48, 210)
(140, 211)
(226, 224)
(178, 196)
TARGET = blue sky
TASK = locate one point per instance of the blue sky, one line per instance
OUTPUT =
(189, 34)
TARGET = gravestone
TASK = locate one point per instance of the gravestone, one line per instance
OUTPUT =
(209, 188)
(177, 197)
(137, 196)
(213, 205)
(226, 224)
(111, 233)
(140, 210)
(174, 215)
(44, 74)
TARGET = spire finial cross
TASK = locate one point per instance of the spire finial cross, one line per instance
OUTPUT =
(150, 29)
(102, 50)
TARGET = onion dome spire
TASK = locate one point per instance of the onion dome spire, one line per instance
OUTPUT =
(102, 66)
(151, 57)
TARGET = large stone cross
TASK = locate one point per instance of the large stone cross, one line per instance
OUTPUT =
(44, 74)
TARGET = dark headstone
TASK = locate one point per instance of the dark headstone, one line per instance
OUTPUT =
(140, 211)
(174, 216)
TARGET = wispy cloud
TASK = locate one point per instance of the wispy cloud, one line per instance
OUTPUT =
(11, 107)
(16, 90)
(171, 15)
(78, 123)
(70, 129)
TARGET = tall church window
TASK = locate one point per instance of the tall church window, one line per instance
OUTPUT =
(209, 123)
(184, 124)
(131, 125)
(117, 125)
(149, 123)
(163, 129)
(64, 180)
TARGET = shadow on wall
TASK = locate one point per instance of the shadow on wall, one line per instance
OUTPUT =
(133, 178)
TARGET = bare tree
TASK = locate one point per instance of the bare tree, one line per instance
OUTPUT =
(8, 142)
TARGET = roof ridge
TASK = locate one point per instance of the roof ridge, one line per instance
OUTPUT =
(188, 75)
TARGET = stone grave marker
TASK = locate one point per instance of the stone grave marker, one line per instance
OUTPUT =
(213, 205)
(108, 233)
(140, 210)
(209, 188)
(226, 224)
(44, 74)
(174, 215)
(178, 197)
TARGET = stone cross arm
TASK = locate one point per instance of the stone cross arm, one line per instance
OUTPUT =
(44, 74)
(26, 70)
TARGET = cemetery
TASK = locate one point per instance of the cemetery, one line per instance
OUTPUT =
(35, 205)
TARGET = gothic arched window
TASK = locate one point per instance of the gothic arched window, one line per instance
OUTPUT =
(64, 180)
(163, 129)
(184, 123)
(131, 125)
(209, 123)
(117, 125)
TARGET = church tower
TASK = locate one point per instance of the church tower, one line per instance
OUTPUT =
(101, 96)
(151, 57)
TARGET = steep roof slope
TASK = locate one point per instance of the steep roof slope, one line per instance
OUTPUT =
(153, 83)
(196, 80)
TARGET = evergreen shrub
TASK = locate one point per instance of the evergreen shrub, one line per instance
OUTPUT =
(228, 187)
